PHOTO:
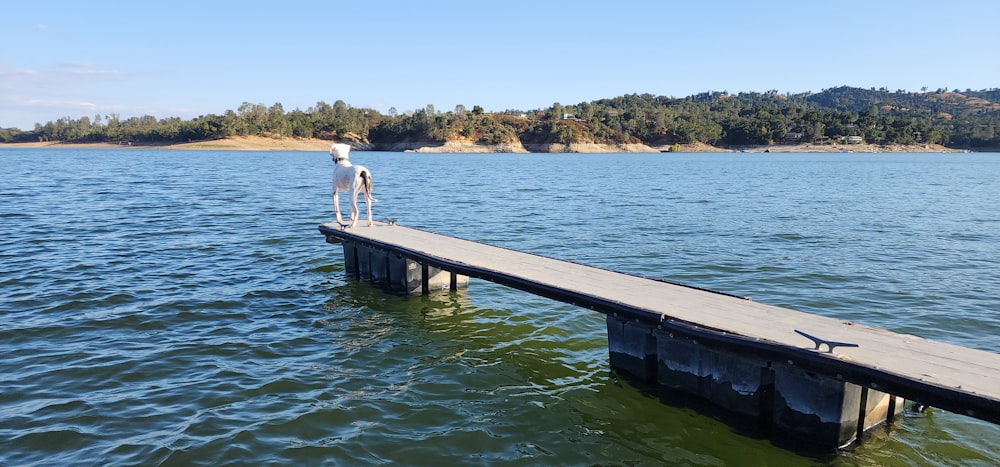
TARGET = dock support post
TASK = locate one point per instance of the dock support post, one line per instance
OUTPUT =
(399, 273)
(732, 381)
(791, 402)
(351, 259)
(364, 263)
(433, 278)
(891, 414)
(395, 272)
(862, 411)
(822, 410)
(379, 267)
(632, 348)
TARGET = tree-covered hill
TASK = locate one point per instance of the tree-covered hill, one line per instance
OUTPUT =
(957, 119)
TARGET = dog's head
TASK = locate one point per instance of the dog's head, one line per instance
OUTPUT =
(339, 152)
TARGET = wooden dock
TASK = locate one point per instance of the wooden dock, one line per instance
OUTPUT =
(936, 374)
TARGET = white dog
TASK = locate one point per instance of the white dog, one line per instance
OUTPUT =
(355, 178)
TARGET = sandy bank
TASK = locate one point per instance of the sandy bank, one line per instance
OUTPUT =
(465, 147)
(256, 143)
(241, 143)
(866, 148)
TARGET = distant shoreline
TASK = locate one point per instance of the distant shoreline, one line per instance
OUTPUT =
(255, 143)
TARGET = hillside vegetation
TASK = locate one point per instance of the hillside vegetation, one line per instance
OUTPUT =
(963, 120)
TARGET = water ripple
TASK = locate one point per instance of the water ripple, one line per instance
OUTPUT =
(179, 308)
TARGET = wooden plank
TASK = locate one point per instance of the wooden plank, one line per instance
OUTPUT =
(909, 365)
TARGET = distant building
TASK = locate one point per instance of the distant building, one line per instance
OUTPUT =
(567, 116)
(792, 137)
(853, 140)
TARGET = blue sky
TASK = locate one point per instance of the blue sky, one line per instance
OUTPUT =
(188, 58)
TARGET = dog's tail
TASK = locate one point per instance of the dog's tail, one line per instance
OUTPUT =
(366, 177)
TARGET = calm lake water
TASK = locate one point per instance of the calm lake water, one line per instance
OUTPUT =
(177, 308)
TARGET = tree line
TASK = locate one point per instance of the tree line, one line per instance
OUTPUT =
(968, 119)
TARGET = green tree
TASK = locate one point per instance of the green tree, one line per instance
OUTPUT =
(254, 117)
(277, 121)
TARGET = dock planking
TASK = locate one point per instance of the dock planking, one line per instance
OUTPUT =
(950, 377)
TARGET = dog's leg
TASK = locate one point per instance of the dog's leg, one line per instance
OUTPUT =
(355, 213)
(368, 206)
(336, 206)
